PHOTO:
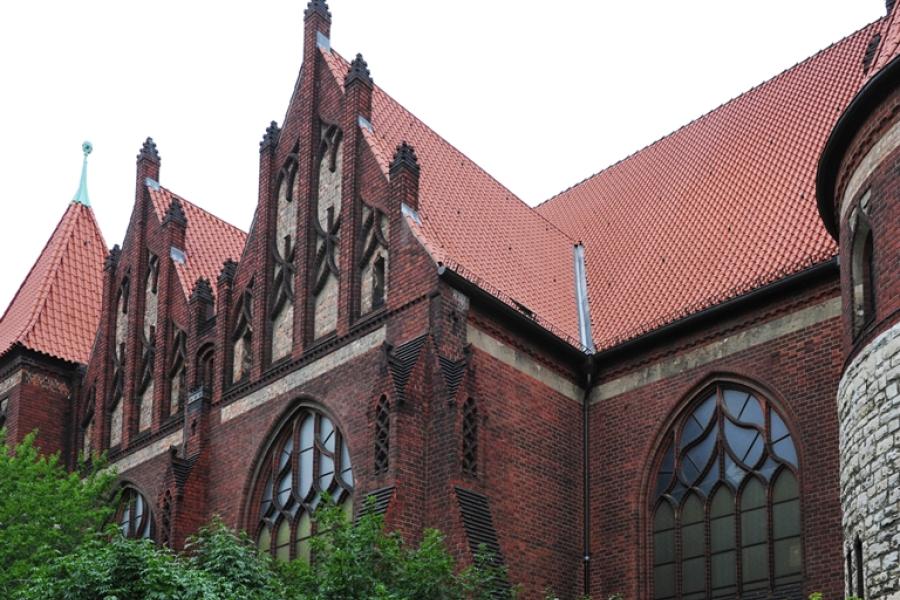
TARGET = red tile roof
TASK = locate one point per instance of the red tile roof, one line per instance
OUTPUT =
(57, 308)
(209, 240)
(890, 41)
(474, 225)
(720, 207)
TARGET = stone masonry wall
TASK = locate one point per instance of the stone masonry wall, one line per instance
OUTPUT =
(869, 414)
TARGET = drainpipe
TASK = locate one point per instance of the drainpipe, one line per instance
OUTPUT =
(586, 445)
(584, 330)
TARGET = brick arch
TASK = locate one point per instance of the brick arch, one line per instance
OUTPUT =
(687, 402)
(253, 484)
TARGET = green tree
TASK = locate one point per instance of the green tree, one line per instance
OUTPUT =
(45, 511)
(360, 561)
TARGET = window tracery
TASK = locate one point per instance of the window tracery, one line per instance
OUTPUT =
(726, 504)
(327, 225)
(118, 362)
(373, 261)
(148, 345)
(283, 253)
(308, 459)
(178, 371)
(242, 345)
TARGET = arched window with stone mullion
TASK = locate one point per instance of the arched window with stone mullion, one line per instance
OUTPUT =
(725, 510)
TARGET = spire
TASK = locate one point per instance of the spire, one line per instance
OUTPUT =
(81, 196)
(359, 71)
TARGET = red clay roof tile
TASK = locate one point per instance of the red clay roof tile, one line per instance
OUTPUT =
(210, 241)
(474, 225)
(57, 308)
(724, 205)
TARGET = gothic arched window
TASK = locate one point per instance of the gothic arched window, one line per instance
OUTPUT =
(308, 459)
(862, 266)
(133, 515)
(725, 508)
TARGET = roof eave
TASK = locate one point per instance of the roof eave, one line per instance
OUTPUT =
(576, 355)
(860, 108)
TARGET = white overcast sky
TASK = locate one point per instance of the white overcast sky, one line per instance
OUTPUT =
(541, 94)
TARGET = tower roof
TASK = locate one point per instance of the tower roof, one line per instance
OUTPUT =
(57, 308)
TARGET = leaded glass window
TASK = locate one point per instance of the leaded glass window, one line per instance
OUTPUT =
(470, 438)
(133, 516)
(308, 460)
(382, 435)
(726, 502)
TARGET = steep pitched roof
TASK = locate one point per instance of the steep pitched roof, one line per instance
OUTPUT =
(209, 240)
(720, 207)
(57, 308)
(472, 224)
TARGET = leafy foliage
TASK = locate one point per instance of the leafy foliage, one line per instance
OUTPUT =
(361, 561)
(352, 561)
(45, 511)
(224, 566)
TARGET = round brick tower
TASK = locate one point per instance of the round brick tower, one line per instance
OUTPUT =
(858, 191)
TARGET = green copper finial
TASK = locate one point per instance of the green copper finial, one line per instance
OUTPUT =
(82, 195)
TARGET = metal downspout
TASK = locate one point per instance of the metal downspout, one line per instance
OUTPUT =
(587, 342)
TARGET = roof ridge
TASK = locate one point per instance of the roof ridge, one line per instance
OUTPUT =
(38, 306)
(455, 149)
(710, 112)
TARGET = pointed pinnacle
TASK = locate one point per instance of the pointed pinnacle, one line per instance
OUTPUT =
(81, 196)
(149, 151)
(359, 71)
(405, 158)
(270, 139)
(319, 7)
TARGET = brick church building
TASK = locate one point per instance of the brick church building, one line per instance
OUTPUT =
(676, 379)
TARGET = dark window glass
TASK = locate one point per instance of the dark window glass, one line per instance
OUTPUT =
(730, 466)
(308, 460)
(664, 551)
(378, 282)
(133, 515)
(470, 438)
(382, 435)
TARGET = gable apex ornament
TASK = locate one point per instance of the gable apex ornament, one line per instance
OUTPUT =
(270, 138)
(317, 7)
(81, 196)
(149, 151)
(359, 71)
(175, 213)
(405, 158)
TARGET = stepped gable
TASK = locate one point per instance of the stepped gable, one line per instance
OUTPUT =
(722, 206)
(56, 310)
(209, 240)
(472, 224)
